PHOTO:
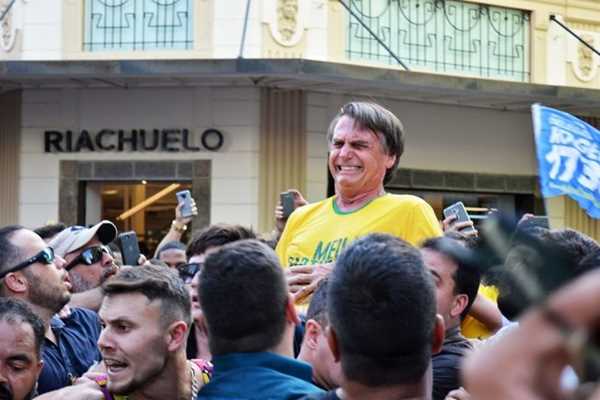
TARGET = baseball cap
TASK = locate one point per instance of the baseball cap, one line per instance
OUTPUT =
(76, 236)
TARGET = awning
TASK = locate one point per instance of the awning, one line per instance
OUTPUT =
(298, 74)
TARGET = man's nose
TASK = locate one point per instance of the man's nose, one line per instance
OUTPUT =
(59, 262)
(107, 259)
(345, 151)
(104, 342)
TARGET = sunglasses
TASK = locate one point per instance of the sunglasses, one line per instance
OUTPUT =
(45, 256)
(187, 271)
(89, 256)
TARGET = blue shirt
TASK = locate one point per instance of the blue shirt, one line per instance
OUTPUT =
(258, 376)
(76, 349)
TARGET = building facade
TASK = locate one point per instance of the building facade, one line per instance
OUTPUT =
(83, 81)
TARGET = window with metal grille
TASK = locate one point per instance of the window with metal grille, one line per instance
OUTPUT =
(449, 36)
(117, 25)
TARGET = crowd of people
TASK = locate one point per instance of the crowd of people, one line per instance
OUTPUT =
(363, 295)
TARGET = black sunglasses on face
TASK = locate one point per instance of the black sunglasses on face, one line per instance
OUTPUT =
(89, 256)
(45, 256)
(187, 271)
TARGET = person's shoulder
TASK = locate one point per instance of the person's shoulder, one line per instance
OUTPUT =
(408, 200)
(331, 395)
(82, 319)
(78, 313)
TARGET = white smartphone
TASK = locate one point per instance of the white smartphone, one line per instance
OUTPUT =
(458, 209)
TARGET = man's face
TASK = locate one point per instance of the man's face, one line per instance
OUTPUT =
(443, 269)
(172, 257)
(357, 160)
(85, 277)
(20, 365)
(326, 371)
(132, 342)
(48, 284)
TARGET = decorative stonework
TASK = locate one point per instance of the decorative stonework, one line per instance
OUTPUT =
(286, 20)
(583, 61)
(8, 30)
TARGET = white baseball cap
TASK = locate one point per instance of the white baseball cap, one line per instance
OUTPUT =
(76, 236)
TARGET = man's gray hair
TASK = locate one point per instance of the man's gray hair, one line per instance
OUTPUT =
(382, 122)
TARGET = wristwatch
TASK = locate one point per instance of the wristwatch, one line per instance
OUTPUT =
(179, 227)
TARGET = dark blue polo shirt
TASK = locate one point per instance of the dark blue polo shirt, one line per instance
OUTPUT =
(77, 349)
(258, 376)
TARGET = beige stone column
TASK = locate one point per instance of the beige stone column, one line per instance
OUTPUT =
(564, 212)
(282, 150)
(10, 154)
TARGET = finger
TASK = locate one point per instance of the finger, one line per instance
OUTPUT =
(301, 269)
(301, 295)
(296, 288)
(463, 225)
(303, 280)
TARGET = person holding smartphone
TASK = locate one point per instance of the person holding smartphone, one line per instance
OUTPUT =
(365, 145)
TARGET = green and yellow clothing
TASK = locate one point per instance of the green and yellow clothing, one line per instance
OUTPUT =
(318, 232)
(472, 328)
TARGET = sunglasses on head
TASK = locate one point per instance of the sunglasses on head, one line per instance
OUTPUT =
(187, 271)
(45, 256)
(89, 256)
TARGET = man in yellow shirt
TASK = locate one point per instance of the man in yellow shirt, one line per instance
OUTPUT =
(365, 145)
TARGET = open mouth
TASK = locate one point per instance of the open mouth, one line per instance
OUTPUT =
(115, 367)
(347, 168)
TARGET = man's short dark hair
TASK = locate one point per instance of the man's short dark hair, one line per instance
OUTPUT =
(172, 245)
(466, 278)
(17, 311)
(574, 244)
(154, 282)
(243, 294)
(373, 117)
(317, 309)
(9, 252)
(217, 235)
(50, 230)
(382, 308)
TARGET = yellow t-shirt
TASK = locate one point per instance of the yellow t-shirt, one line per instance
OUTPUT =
(471, 328)
(318, 232)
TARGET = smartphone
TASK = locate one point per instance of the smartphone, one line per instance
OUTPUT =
(287, 202)
(185, 197)
(537, 221)
(458, 209)
(130, 249)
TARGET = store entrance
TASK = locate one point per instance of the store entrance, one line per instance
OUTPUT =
(109, 200)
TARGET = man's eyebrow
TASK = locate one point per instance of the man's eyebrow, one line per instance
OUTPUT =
(435, 274)
(20, 357)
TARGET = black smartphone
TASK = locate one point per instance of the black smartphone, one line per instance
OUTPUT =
(130, 249)
(185, 197)
(287, 202)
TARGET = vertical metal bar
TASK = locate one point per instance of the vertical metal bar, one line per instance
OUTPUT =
(243, 41)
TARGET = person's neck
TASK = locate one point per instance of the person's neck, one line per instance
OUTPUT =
(285, 347)
(350, 201)
(45, 315)
(357, 391)
(174, 382)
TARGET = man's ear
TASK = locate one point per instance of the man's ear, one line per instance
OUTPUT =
(332, 341)
(290, 311)
(312, 330)
(16, 282)
(176, 335)
(437, 340)
(459, 305)
(389, 161)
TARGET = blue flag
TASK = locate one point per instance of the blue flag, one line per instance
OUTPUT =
(568, 153)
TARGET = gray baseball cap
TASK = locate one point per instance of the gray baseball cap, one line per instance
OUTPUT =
(75, 237)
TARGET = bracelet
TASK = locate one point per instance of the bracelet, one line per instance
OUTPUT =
(178, 227)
